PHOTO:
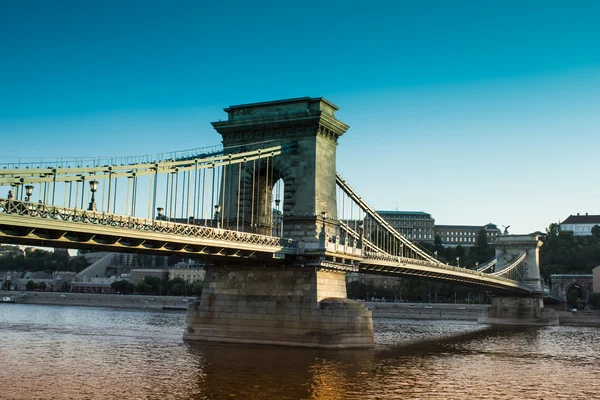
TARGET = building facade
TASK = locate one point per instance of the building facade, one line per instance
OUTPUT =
(580, 225)
(417, 226)
(189, 272)
(465, 235)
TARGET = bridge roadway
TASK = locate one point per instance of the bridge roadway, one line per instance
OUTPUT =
(54, 226)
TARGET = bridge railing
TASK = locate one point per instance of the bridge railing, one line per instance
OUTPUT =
(406, 260)
(35, 210)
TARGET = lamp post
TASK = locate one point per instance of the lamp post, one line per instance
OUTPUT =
(458, 262)
(160, 211)
(324, 216)
(93, 188)
(277, 201)
(435, 254)
(28, 192)
(217, 213)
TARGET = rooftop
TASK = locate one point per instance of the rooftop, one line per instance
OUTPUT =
(582, 219)
(412, 213)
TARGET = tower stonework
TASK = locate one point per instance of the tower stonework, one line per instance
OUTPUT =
(509, 247)
(308, 128)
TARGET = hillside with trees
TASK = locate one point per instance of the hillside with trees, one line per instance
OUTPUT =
(564, 253)
(12, 258)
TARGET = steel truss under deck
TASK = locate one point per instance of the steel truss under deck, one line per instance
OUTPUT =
(30, 224)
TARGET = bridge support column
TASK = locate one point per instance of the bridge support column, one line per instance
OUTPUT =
(519, 311)
(291, 306)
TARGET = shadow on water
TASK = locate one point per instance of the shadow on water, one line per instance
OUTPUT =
(453, 342)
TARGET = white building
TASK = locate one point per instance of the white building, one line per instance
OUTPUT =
(580, 225)
(188, 271)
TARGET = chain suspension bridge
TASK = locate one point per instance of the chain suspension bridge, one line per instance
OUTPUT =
(268, 199)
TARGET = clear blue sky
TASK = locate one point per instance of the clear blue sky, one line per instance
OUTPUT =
(474, 111)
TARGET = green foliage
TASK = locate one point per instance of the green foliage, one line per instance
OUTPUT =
(175, 287)
(143, 287)
(553, 230)
(197, 288)
(35, 260)
(564, 253)
(482, 239)
(30, 285)
(122, 287)
(596, 231)
(414, 290)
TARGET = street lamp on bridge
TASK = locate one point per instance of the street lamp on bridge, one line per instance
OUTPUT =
(28, 192)
(93, 188)
(217, 213)
(324, 216)
(458, 262)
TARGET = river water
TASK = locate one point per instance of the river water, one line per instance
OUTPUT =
(54, 352)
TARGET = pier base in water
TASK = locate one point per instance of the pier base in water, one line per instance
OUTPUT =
(290, 306)
(525, 311)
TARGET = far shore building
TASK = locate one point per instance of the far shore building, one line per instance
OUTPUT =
(580, 225)
(465, 235)
(138, 274)
(417, 226)
(188, 271)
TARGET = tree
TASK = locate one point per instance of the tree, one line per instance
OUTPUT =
(482, 241)
(596, 231)
(553, 230)
(197, 288)
(122, 286)
(30, 285)
(143, 287)
(42, 286)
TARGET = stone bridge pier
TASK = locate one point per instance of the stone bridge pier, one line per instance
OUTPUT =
(290, 306)
(300, 300)
(527, 309)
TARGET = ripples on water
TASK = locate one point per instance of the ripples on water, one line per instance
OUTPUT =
(50, 352)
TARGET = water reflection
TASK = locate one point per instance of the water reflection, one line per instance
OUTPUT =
(93, 353)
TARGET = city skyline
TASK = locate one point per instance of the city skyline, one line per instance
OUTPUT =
(473, 113)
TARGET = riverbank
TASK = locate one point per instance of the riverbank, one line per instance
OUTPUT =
(100, 300)
(416, 311)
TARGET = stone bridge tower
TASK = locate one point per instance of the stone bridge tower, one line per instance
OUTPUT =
(525, 309)
(510, 247)
(301, 300)
(309, 128)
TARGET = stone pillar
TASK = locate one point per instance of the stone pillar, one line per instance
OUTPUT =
(509, 247)
(522, 311)
(291, 306)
